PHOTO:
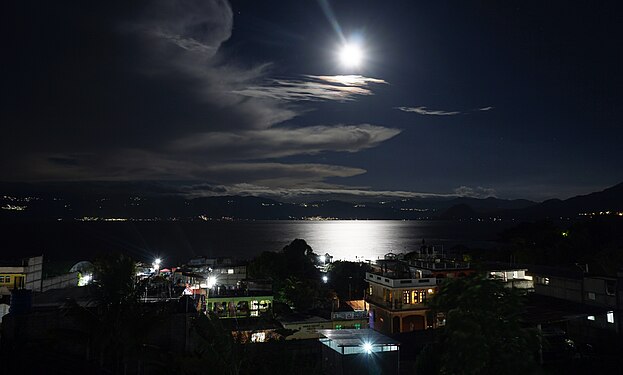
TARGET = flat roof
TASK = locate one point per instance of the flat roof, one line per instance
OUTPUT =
(545, 309)
(356, 337)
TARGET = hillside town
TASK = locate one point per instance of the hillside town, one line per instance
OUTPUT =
(296, 311)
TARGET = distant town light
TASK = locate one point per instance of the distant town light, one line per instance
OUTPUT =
(157, 261)
(367, 347)
(325, 279)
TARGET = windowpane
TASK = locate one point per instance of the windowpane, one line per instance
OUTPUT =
(406, 297)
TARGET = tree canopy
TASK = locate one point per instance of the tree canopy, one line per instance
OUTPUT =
(483, 332)
(296, 279)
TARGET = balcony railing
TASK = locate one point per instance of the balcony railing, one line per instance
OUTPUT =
(400, 283)
(395, 305)
(442, 265)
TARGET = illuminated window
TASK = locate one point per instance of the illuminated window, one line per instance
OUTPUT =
(418, 296)
(230, 271)
(610, 317)
(357, 325)
(406, 297)
(591, 317)
(338, 326)
(258, 337)
(546, 280)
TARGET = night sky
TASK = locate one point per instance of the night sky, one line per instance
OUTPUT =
(477, 98)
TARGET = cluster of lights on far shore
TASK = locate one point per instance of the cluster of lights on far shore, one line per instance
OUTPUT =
(602, 213)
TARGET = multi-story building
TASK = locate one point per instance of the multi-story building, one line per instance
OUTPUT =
(512, 276)
(577, 285)
(12, 277)
(398, 291)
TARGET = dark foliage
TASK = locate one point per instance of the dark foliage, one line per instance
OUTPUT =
(483, 332)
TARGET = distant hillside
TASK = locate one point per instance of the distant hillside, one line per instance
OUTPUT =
(610, 199)
(154, 201)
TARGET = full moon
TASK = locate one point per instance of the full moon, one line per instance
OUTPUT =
(351, 55)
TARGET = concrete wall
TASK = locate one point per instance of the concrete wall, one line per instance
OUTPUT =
(562, 288)
(334, 363)
(59, 282)
(597, 293)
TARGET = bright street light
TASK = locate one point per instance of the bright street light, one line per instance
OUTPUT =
(211, 281)
(325, 279)
(367, 347)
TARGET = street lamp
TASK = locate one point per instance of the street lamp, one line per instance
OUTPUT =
(325, 279)
(211, 281)
(367, 347)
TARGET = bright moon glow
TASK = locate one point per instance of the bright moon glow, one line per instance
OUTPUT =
(351, 55)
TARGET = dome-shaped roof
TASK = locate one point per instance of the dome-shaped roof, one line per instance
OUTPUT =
(82, 266)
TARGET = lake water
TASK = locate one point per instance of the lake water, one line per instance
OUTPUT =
(178, 241)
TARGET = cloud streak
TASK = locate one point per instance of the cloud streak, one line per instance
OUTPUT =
(428, 112)
(317, 191)
(161, 100)
(475, 192)
(281, 142)
(315, 88)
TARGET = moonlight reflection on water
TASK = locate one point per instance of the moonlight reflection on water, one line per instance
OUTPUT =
(179, 241)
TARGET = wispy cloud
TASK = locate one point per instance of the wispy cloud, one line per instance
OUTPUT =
(428, 112)
(313, 88)
(281, 142)
(437, 112)
(307, 191)
(349, 80)
(186, 110)
(475, 192)
(135, 164)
